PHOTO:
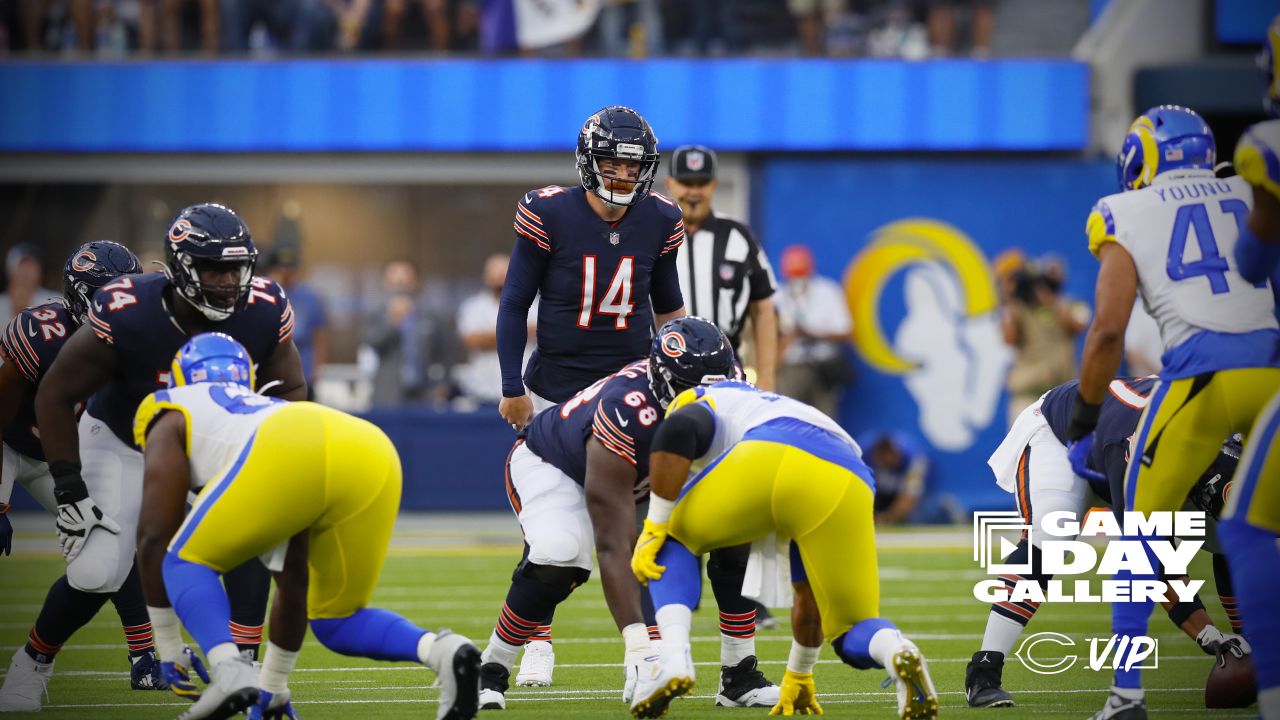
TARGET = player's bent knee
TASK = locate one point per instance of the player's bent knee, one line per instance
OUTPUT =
(97, 569)
(559, 578)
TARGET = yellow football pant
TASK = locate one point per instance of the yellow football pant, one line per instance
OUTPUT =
(1255, 492)
(760, 486)
(311, 468)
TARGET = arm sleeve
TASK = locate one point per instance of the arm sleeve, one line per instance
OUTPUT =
(688, 432)
(524, 276)
(15, 349)
(664, 289)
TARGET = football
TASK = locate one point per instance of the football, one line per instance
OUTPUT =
(1231, 683)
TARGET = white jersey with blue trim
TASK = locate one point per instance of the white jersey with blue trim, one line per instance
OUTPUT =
(221, 418)
(1181, 232)
(739, 407)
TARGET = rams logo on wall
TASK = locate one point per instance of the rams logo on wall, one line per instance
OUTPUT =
(945, 344)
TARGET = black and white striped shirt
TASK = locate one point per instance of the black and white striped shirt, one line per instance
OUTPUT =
(722, 270)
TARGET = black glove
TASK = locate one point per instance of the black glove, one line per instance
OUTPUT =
(1084, 418)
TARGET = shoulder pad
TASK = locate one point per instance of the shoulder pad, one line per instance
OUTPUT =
(149, 409)
(267, 297)
(1257, 160)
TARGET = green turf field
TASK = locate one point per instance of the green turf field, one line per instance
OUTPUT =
(442, 577)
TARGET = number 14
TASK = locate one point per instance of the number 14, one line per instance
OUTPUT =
(616, 300)
(1211, 263)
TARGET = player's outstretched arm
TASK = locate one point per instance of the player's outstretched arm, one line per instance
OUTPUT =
(610, 487)
(166, 478)
(284, 366)
(1104, 345)
(82, 367)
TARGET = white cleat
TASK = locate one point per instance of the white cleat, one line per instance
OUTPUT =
(456, 662)
(668, 679)
(636, 665)
(27, 684)
(917, 700)
(234, 689)
(537, 665)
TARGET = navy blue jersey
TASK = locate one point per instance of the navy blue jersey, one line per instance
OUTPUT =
(1121, 408)
(30, 343)
(595, 280)
(133, 317)
(619, 411)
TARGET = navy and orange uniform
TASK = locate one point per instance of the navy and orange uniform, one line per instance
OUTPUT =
(30, 343)
(594, 279)
(132, 315)
(1121, 409)
(619, 411)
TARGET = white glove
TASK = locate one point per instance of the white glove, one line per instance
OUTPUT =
(635, 663)
(76, 520)
(1217, 643)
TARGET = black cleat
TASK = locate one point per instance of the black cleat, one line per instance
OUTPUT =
(743, 685)
(494, 681)
(982, 681)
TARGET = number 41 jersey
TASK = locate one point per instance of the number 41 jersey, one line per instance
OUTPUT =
(1181, 232)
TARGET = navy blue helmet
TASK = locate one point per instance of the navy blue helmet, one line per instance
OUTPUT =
(91, 266)
(617, 133)
(688, 352)
(210, 240)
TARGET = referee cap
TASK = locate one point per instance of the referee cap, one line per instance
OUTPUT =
(693, 163)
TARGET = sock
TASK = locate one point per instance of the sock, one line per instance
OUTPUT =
(221, 653)
(726, 569)
(737, 637)
(512, 629)
(869, 643)
(248, 588)
(168, 633)
(500, 651)
(425, 643)
(649, 613)
(1128, 693)
(65, 611)
(1001, 633)
(1254, 553)
(276, 666)
(681, 584)
(541, 633)
(132, 609)
(198, 599)
(675, 622)
(372, 633)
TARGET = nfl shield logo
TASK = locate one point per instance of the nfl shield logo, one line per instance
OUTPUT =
(695, 160)
(727, 271)
(615, 238)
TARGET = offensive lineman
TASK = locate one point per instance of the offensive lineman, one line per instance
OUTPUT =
(123, 354)
(1172, 234)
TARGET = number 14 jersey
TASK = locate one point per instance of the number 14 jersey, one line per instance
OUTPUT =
(1181, 232)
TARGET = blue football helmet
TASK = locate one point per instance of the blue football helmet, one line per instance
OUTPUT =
(211, 357)
(617, 133)
(688, 352)
(1164, 138)
(210, 238)
(91, 266)
(1270, 62)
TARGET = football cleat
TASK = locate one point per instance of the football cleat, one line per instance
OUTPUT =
(494, 681)
(917, 700)
(273, 706)
(743, 685)
(668, 679)
(636, 664)
(982, 681)
(1118, 708)
(145, 672)
(26, 685)
(456, 662)
(234, 689)
(537, 665)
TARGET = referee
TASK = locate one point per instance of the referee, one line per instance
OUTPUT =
(724, 274)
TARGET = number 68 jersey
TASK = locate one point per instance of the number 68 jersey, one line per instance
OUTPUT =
(221, 418)
(1181, 232)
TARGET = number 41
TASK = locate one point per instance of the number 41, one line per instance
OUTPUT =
(1211, 263)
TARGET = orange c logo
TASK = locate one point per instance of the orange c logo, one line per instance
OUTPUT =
(673, 344)
(83, 261)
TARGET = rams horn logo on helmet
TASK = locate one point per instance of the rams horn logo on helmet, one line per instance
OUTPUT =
(179, 231)
(83, 261)
(673, 344)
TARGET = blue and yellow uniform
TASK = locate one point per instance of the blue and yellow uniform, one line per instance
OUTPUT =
(267, 470)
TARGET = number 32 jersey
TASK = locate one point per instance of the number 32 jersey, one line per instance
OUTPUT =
(30, 343)
(1181, 232)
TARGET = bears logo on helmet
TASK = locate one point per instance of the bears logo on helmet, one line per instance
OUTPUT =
(688, 352)
(209, 258)
(673, 344)
(91, 266)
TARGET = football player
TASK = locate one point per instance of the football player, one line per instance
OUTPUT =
(1035, 465)
(1219, 330)
(575, 476)
(732, 464)
(312, 490)
(28, 346)
(119, 356)
(1251, 521)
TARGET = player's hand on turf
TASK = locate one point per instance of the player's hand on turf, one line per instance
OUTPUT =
(1078, 456)
(517, 411)
(6, 531)
(76, 520)
(1217, 643)
(797, 695)
(273, 706)
(178, 675)
(644, 561)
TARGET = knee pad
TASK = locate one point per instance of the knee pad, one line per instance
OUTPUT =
(98, 569)
(555, 547)
(562, 580)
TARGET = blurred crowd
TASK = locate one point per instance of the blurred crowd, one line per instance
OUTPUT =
(616, 28)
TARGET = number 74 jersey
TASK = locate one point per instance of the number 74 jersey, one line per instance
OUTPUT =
(1181, 232)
